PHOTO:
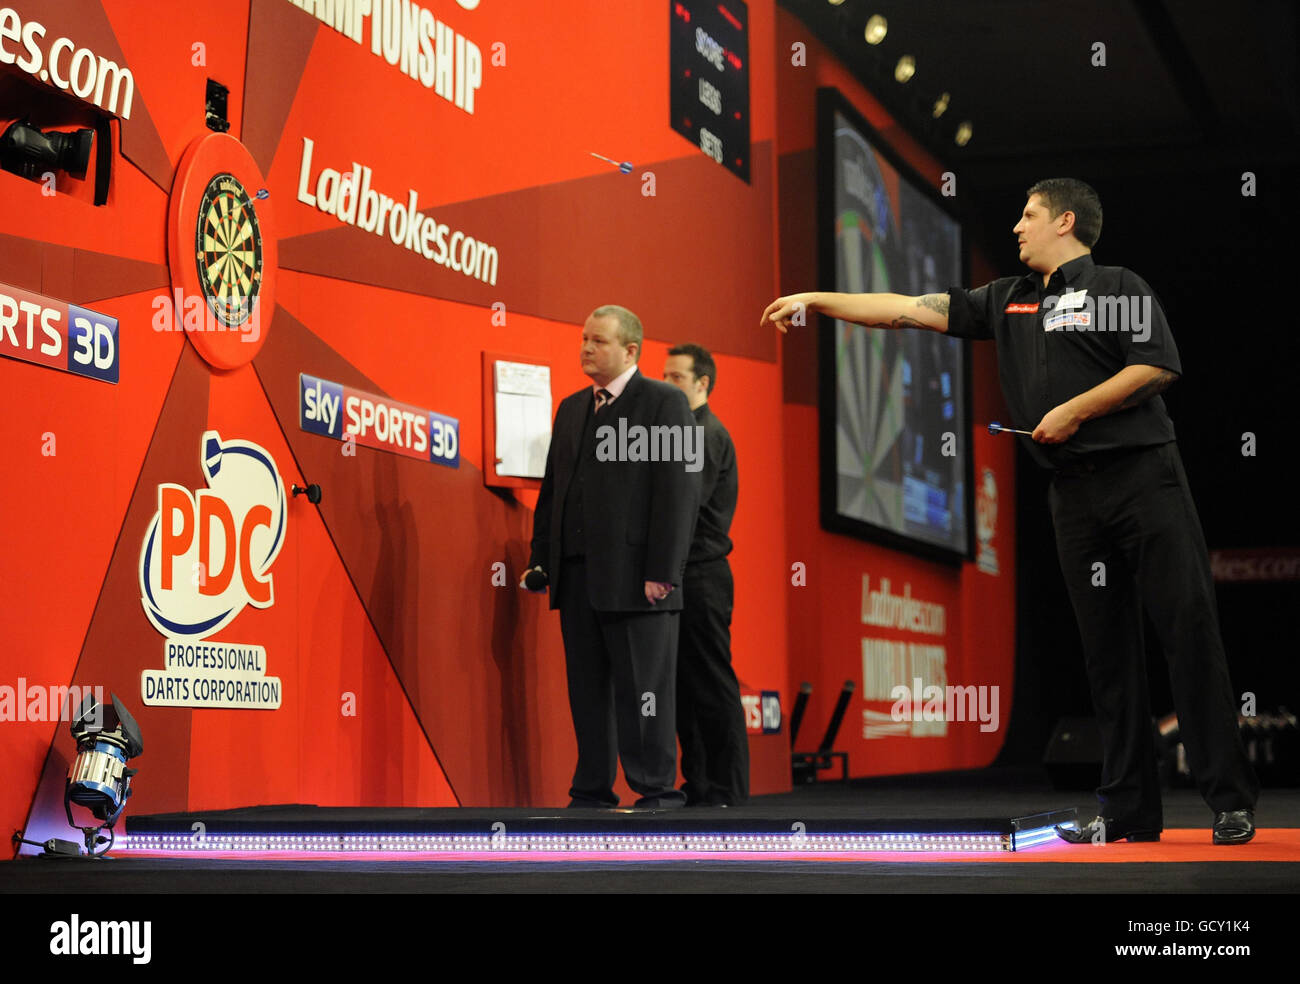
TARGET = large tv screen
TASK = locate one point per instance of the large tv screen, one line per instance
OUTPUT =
(895, 415)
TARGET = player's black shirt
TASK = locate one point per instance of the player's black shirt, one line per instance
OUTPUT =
(1061, 340)
(718, 489)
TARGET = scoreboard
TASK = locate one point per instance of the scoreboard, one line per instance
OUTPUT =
(709, 87)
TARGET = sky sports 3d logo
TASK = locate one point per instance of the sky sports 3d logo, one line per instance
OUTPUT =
(347, 414)
(58, 335)
(762, 711)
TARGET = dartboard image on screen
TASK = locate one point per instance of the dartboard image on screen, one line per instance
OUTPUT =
(899, 397)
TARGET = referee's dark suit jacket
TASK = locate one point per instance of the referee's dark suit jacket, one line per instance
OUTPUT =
(638, 516)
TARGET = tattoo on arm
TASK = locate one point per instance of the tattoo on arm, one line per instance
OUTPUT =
(935, 302)
(1159, 384)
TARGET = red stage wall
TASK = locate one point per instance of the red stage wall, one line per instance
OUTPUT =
(408, 674)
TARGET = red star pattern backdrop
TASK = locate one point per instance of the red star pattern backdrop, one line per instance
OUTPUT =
(407, 677)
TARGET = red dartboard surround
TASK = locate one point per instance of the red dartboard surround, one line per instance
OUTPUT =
(221, 246)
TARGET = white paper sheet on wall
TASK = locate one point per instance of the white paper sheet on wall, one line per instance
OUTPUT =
(523, 408)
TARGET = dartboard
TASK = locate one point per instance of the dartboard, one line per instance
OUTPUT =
(228, 250)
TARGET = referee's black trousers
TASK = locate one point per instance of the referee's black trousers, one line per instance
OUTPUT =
(710, 718)
(620, 669)
(1129, 539)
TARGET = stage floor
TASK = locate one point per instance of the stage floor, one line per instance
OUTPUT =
(1183, 862)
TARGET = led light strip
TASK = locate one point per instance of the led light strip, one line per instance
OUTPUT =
(501, 842)
(1033, 838)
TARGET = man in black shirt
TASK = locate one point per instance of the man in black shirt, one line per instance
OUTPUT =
(1083, 354)
(710, 719)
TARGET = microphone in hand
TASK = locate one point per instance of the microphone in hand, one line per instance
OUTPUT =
(536, 580)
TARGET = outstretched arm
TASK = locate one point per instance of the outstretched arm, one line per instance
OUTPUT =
(929, 311)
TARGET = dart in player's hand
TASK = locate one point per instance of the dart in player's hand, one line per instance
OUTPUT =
(996, 428)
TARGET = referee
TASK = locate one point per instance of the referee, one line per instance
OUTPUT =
(1085, 351)
(710, 719)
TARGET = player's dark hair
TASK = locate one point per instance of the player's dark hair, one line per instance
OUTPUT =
(1072, 195)
(702, 363)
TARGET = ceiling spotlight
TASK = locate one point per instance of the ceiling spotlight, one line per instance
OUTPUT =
(905, 68)
(835, 3)
(963, 134)
(940, 106)
(26, 151)
(877, 28)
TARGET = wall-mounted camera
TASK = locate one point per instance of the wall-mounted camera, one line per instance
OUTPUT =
(31, 153)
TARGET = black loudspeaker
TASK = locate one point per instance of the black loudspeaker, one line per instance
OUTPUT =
(1272, 741)
(1073, 754)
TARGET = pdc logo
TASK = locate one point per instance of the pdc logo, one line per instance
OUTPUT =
(206, 555)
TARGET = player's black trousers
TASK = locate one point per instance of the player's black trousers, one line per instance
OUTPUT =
(710, 718)
(621, 670)
(1133, 513)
